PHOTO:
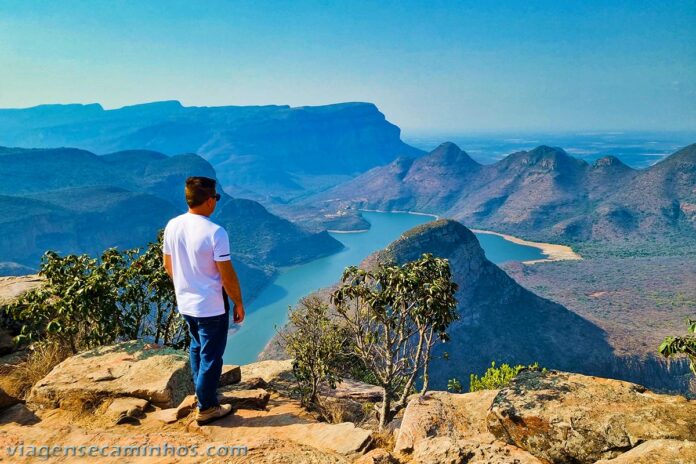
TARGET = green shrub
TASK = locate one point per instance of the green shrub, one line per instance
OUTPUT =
(686, 345)
(497, 377)
(87, 302)
(315, 342)
(454, 386)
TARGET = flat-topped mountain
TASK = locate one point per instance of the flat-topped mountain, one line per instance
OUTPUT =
(542, 193)
(74, 201)
(267, 150)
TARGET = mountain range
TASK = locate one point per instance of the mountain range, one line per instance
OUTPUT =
(273, 151)
(542, 194)
(74, 201)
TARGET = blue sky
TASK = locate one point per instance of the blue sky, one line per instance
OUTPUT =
(429, 66)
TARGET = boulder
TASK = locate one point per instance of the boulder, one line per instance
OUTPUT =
(269, 371)
(354, 390)
(159, 375)
(246, 384)
(657, 451)
(14, 286)
(440, 450)
(442, 414)
(566, 417)
(230, 375)
(126, 409)
(344, 438)
(244, 399)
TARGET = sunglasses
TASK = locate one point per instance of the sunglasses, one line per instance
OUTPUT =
(217, 197)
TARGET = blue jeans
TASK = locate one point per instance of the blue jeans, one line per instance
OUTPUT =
(208, 341)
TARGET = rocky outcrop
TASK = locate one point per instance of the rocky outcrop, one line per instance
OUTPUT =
(442, 427)
(564, 417)
(540, 418)
(657, 451)
(159, 375)
(442, 414)
(549, 417)
(13, 286)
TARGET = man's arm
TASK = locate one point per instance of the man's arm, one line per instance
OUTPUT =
(230, 283)
(167, 259)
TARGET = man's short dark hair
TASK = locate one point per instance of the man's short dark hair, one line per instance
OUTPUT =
(199, 189)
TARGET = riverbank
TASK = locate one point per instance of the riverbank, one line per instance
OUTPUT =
(554, 252)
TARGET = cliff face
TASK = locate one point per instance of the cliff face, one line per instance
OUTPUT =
(265, 149)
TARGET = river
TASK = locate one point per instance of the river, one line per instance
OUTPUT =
(268, 312)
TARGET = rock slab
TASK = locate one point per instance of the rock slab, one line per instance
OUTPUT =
(565, 417)
(159, 375)
(245, 399)
(658, 451)
(442, 414)
(230, 375)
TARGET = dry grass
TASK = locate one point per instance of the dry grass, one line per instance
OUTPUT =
(43, 358)
(384, 439)
(337, 410)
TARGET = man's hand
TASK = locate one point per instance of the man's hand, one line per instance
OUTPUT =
(230, 283)
(238, 313)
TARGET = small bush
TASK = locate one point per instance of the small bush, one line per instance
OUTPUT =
(315, 343)
(497, 377)
(43, 358)
(686, 345)
(88, 302)
(454, 386)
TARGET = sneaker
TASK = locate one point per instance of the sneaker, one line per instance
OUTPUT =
(214, 413)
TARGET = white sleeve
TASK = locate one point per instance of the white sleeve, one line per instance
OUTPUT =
(166, 249)
(221, 245)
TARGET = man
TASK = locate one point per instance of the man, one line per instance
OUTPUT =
(197, 258)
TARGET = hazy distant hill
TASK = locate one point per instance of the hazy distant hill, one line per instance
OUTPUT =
(74, 201)
(500, 320)
(272, 151)
(543, 193)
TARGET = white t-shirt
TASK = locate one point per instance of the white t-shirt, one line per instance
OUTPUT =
(195, 243)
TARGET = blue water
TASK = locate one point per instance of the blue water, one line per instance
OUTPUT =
(268, 312)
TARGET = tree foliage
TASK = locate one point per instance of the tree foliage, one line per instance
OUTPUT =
(685, 345)
(316, 344)
(394, 315)
(497, 377)
(87, 302)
